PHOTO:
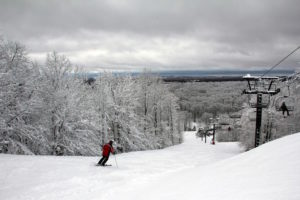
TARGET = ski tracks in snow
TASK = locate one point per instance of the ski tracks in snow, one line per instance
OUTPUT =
(72, 178)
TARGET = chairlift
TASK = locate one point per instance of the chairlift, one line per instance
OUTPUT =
(224, 123)
(287, 99)
(289, 102)
(224, 126)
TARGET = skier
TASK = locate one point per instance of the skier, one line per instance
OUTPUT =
(106, 150)
(284, 108)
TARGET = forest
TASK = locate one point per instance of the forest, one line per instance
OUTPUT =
(51, 108)
(54, 108)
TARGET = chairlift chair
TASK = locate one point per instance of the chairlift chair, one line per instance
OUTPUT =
(224, 126)
(223, 123)
(289, 101)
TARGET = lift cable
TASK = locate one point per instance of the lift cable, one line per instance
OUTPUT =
(289, 80)
(281, 61)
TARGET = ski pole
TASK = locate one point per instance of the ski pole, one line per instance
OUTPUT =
(116, 161)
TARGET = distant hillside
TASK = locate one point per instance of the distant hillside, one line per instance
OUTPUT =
(204, 73)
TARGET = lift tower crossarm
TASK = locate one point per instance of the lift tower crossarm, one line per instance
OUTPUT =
(262, 92)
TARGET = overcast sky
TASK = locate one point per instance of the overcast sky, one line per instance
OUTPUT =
(161, 34)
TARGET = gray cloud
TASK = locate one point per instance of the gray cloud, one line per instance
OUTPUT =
(169, 34)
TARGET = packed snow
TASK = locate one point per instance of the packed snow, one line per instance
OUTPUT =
(192, 170)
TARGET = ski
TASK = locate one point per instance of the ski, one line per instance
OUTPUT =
(103, 165)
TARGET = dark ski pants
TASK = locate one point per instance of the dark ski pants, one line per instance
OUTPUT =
(103, 160)
(287, 111)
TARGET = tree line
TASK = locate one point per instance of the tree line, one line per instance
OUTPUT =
(201, 101)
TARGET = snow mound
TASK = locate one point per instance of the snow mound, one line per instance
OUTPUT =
(271, 171)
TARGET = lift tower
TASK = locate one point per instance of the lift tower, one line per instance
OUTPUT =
(259, 86)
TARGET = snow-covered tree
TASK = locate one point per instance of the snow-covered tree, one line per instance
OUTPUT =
(56, 90)
(19, 103)
(158, 111)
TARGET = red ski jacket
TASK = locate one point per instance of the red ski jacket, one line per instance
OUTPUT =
(107, 149)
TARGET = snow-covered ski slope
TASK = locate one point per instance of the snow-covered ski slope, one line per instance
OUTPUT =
(192, 170)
